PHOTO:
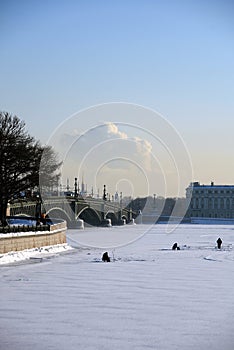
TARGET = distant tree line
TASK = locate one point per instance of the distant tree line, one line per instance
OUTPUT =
(164, 206)
(23, 162)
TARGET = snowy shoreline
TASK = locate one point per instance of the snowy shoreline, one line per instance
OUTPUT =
(34, 253)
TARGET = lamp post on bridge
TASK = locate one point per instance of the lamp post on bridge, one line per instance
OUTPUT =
(104, 193)
(76, 192)
(103, 203)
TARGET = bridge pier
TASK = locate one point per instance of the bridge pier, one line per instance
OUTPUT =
(121, 221)
(106, 223)
(130, 215)
(76, 223)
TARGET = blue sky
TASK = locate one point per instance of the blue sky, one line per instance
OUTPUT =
(177, 57)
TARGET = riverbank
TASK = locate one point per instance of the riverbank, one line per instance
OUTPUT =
(33, 255)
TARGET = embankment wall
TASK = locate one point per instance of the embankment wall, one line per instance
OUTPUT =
(27, 240)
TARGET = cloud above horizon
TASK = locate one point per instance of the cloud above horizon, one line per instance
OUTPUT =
(106, 153)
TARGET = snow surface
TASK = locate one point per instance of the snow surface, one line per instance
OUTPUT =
(147, 297)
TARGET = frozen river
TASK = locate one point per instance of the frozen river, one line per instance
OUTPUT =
(147, 297)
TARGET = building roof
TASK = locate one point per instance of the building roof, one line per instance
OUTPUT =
(212, 185)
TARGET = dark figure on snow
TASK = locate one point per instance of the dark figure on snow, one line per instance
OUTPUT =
(105, 257)
(219, 242)
(175, 247)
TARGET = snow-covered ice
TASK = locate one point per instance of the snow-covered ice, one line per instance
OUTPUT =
(33, 254)
(147, 297)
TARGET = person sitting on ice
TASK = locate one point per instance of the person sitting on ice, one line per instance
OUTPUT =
(219, 242)
(105, 257)
(175, 246)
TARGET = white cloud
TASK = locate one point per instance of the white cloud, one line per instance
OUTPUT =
(114, 131)
(107, 147)
(138, 136)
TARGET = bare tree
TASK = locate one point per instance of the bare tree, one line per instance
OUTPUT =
(48, 171)
(20, 159)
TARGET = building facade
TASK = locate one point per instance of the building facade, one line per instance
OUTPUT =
(210, 201)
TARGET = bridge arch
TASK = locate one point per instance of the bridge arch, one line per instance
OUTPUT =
(58, 213)
(90, 216)
(113, 216)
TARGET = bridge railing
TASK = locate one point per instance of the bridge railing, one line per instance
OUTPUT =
(19, 224)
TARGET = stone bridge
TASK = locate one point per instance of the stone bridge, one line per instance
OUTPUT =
(93, 211)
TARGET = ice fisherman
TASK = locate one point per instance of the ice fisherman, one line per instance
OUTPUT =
(105, 257)
(219, 242)
(175, 247)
